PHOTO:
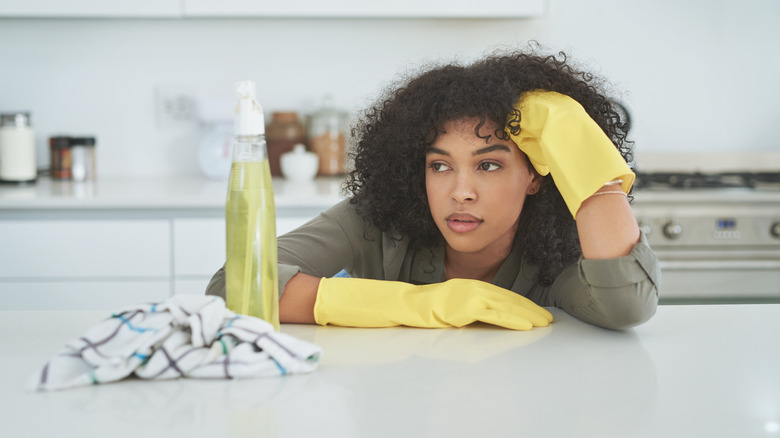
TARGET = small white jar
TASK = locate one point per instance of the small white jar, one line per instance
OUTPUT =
(299, 165)
(17, 149)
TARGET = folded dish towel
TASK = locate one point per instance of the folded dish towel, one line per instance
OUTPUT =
(185, 336)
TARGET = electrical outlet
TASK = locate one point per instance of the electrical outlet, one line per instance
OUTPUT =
(176, 107)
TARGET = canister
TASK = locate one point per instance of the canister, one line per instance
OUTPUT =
(59, 148)
(17, 148)
(327, 138)
(82, 158)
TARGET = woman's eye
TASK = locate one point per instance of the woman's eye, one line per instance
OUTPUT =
(438, 167)
(488, 166)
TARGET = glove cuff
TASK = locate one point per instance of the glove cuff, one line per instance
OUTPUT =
(320, 306)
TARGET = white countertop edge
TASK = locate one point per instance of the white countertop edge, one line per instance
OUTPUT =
(157, 193)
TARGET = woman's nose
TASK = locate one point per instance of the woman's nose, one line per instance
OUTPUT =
(463, 190)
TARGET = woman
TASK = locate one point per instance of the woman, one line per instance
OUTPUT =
(479, 193)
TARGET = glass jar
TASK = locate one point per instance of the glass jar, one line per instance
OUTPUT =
(82, 158)
(283, 132)
(328, 139)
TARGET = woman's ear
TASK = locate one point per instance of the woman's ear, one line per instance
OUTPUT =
(534, 179)
(534, 183)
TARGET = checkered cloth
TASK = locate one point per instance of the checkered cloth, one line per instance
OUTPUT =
(185, 336)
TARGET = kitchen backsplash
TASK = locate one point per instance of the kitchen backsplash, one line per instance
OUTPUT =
(686, 84)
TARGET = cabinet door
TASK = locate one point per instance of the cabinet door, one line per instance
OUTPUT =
(107, 296)
(85, 249)
(191, 286)
(363, 8)
(90, 8)
(199, 244)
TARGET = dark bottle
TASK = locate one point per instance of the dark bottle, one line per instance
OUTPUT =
(60, 157)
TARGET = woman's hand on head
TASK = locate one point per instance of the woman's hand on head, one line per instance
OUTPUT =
(561, 139)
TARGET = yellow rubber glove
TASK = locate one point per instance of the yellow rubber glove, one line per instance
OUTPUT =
(356, 302)
(561, 139)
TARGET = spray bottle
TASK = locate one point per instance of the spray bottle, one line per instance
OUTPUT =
(251, 265)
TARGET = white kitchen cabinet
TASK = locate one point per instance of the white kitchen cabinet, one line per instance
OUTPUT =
(366, 9)
(107, 264)
(127, 241)
(199, 249)
(199, 243)
(198, 246)
(196, 286)
(83, 264)
(90, 8)
(85, 248)
(108, 296)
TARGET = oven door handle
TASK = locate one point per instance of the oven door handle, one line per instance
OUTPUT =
(717, 265)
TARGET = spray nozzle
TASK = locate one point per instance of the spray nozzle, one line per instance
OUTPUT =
(249, 114)
(245, 89)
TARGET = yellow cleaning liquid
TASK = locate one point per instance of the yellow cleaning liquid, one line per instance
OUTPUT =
(251, 266)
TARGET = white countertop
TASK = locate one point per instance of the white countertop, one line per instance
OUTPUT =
(691, 371)
(156, 192)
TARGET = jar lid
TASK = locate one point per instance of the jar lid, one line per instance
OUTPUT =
(82, 141)
(59, 142)
(19, 119)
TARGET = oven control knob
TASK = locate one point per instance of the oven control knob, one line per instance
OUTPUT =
(774, 230)
(646, 228)
(673, 230)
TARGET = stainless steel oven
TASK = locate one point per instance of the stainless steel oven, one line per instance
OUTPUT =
(717, 235)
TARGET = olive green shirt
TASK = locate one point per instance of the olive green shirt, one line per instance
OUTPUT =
(614, 293)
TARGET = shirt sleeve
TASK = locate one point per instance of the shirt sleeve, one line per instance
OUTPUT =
(612, 293)
(323, 246)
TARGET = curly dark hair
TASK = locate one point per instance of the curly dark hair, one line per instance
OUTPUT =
(392, 137)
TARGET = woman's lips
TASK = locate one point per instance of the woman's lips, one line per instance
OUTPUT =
(463, 222)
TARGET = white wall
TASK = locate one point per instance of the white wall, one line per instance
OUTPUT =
(699, 75)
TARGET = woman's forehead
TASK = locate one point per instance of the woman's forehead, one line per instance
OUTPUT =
(472, 122)
(479, 127)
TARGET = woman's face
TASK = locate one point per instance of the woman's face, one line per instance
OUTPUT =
(475, 188)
